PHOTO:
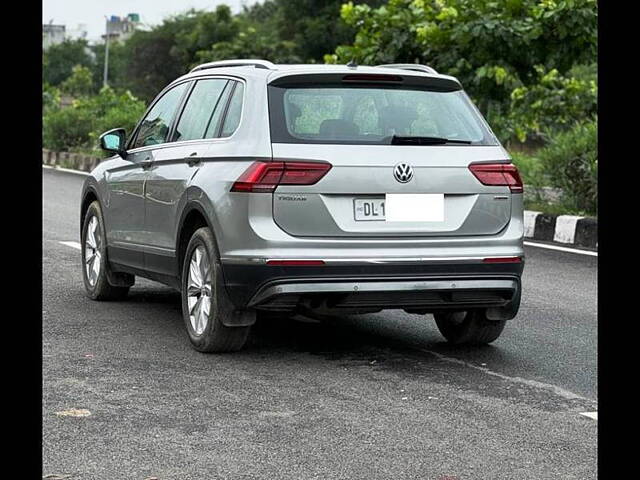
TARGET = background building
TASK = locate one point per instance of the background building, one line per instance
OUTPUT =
(81, 31)
(121, 28)
(52, 34)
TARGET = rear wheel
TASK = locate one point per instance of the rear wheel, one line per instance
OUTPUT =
(205, 303)
(95, 268)
(470, 327)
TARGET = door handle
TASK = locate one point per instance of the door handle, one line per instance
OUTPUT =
(193, 160)
(146, 163)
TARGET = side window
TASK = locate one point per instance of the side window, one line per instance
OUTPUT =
(155, 126)
(202, 110)
(213, 128)
(232, 119)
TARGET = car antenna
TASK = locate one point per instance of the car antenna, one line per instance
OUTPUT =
(352, 63)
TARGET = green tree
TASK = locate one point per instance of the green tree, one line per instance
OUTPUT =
(251, 41)
(570, 162)
(156, 57)
(553, 102)
(118, 60)
(313, 27)
(492, 47)
(77, 127)
(79, 84)
(50, 97)
(58, 61)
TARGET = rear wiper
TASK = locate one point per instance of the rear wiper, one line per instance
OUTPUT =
(398, 140)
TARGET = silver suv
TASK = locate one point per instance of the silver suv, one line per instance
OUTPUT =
(259, 189)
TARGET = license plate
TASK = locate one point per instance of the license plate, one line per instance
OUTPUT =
(423, 207)
(369, 209)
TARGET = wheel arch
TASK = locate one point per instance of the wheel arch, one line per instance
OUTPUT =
(89, 195)
(193, 217)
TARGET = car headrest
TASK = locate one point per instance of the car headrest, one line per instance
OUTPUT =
(294, 111)
(338, 128)
(398, 117)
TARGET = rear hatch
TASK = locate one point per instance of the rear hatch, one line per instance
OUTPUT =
(400, 152)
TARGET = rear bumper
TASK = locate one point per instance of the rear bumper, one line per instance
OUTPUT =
(418, 286)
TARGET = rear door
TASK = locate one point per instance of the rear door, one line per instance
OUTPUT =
(125, 215)
(351, 127)
(195, 139)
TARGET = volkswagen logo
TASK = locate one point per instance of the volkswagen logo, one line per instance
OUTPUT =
(403, 172)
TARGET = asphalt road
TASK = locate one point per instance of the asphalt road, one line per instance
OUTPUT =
(371, 397)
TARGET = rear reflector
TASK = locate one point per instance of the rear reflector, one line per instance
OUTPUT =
(498, 174)
(295, 263)
(502, 260)
(266, 176)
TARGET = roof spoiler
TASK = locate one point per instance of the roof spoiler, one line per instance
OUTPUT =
(441, 83)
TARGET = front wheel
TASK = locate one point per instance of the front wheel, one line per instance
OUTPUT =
(204, 298)
(470, 327)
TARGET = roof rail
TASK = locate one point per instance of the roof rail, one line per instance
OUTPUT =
(257, 63)
(410, 66)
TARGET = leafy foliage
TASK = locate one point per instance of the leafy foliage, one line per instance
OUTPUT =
(251, 42)
(494, 48)
(530, 169)
(50, 97)
(158, 56)
(118, 60)
(58, 61)
(529, 65)
(77, 127)
(570, 162)
(80, 83)
(314, 27)
(555, 102)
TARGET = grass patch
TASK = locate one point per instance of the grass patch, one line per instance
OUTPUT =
(554, 208)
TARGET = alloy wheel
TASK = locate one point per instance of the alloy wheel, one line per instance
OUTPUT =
(199, 289)
(92, 255)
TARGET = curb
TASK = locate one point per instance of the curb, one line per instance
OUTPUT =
(72, 161)
(564, 229)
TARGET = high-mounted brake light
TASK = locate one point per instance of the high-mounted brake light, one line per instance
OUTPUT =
(266, 176)
(498, 174)
(371, 77)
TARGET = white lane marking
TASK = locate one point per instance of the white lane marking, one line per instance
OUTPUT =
(68, 170)
(562, 249)
(561, 392)
(530, 222)
(565, 228)
(75, 245)
(591, 415)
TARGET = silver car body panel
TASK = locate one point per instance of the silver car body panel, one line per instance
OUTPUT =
(144, 205)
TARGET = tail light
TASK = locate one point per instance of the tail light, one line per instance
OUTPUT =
(498, 174)
(502, 260)
(266, 176)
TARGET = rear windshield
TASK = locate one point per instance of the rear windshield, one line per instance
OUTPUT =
(372, 115)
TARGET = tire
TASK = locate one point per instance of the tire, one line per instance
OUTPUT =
(206, 304)
(95, 267)
(468, 328)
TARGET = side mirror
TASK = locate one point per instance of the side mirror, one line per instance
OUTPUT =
(114, 141)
